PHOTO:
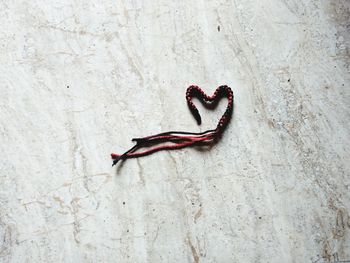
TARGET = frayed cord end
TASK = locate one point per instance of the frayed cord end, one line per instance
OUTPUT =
(116, 158)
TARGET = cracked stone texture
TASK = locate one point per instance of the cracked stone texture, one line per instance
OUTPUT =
(79, 79)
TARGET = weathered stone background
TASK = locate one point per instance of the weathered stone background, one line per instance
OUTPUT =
(79, 79)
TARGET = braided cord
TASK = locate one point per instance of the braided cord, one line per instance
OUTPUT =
(180, 139)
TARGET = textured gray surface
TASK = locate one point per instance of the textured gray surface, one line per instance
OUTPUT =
(79, 79)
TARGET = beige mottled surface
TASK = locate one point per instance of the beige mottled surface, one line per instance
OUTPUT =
(79, 79)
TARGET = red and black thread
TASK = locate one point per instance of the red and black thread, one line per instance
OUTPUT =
(180, 139)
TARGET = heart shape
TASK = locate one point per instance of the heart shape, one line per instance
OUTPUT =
(211, 102)
(180, 139)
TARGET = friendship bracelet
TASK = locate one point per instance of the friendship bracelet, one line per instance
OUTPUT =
(179, 139)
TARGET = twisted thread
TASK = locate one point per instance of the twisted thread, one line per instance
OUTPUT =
(181, 139)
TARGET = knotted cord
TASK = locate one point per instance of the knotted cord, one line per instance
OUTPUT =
(181, 139)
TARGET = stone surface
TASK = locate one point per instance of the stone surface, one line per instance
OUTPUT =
(79, 79)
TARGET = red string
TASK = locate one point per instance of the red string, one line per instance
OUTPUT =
(180, 139)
